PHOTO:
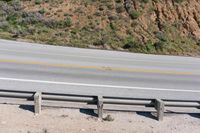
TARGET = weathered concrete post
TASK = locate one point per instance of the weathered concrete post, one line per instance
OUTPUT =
(37, 102)
(160, 107)
(100, 107)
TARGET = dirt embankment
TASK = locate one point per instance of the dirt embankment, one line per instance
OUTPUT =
(15, 119)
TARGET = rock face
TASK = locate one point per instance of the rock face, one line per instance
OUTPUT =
(148, 26)
(187, 13)
(184, 14)
(161, 25)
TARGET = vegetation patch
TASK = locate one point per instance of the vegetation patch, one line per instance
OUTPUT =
(142, 26)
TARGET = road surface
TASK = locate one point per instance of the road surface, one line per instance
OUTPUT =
(36, 67)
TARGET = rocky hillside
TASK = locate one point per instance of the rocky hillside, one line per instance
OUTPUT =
(147, 26)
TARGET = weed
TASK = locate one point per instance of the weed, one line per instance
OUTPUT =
(108, 118)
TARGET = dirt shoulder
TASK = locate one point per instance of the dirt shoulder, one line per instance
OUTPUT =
(15, 119)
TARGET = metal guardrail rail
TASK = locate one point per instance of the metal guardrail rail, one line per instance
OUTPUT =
(158, 104)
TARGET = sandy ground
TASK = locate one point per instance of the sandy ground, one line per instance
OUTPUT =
(19, 119)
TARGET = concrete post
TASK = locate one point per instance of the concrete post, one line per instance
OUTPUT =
(100, 107)
(159, 105)
(37, 102)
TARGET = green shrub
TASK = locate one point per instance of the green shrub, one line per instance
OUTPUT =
(37, 2)
(68, 22)
(159, 45)
(134, 14)
(129, 42)
(161, 36)
(179, 1)
(42, 11)
(145, 1)
(198, 43)
(120, 8)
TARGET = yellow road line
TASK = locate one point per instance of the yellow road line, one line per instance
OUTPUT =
(83, 56)
(96, 67)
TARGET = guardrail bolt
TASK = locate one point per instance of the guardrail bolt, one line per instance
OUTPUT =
(160, 107)
(37, 102)
(100, 107)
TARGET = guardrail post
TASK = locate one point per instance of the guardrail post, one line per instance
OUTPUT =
(100, 106)
(37, 102)
(159, 105)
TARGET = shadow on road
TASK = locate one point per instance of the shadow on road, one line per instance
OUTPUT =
(195, 115)
(27, 107)
(147, 114)
(88, 112)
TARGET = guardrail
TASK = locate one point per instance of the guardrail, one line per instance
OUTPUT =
(99, 101)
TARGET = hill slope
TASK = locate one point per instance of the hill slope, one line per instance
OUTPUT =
(147, 26)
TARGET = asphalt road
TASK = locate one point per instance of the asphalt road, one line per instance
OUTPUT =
(36, 67)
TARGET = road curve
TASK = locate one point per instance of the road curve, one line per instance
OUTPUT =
(36, 67)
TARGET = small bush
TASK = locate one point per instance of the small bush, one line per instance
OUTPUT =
(108, 118)
(134, 14)
(198, 42)
(159, 45)
(179, 1)
(120, 8)
(42, 11)
(161, 36)
(129, 42)
(145, 1)
(37, 2)
(68, 22)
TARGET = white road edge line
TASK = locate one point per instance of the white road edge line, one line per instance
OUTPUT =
(96, 85)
